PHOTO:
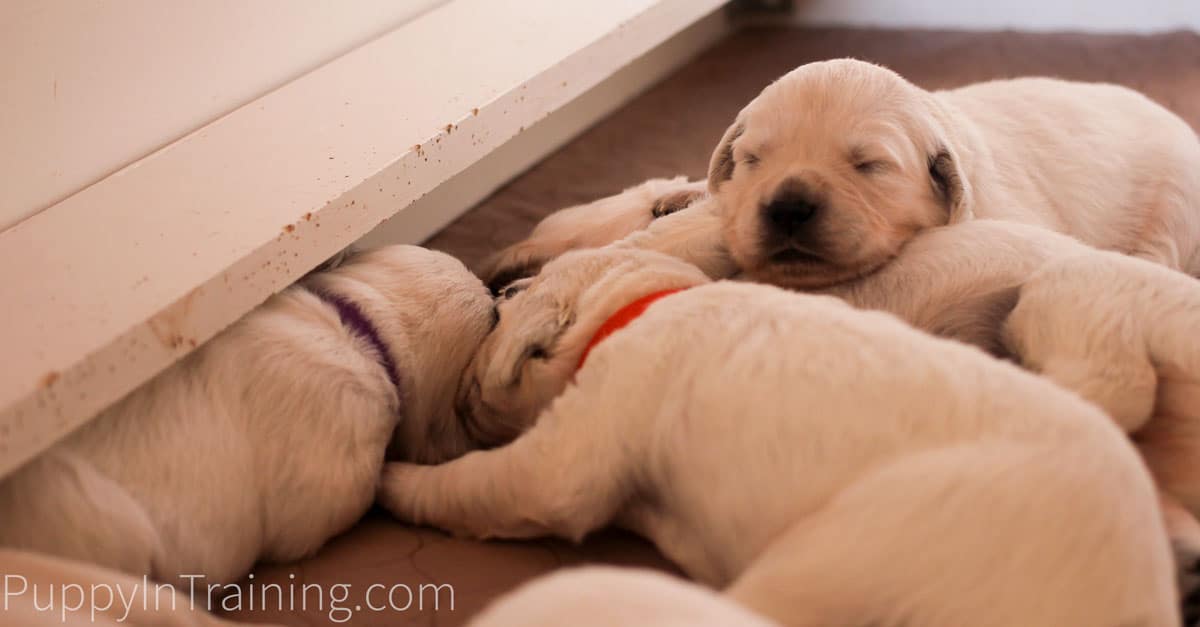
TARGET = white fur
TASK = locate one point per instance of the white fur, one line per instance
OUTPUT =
(826, 465)
(590, 225)
(269, 439)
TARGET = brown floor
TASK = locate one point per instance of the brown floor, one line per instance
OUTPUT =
(671, 130)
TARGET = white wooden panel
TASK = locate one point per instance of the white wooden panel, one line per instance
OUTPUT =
(466, 189)
(110, 286)
(89, 86)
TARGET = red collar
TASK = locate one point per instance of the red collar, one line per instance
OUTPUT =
(621, 318)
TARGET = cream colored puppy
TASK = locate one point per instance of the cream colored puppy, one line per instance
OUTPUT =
(962, 282)
(269, 439)
(830, 466)
(590, 226)
(834, 167)
(603, 596)
(1124, 334)
(957, 281)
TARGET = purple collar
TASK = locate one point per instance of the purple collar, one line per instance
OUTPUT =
(357, 323)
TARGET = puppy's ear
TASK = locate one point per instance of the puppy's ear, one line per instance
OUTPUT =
(720, 167)
(509, 265)
(951, 185)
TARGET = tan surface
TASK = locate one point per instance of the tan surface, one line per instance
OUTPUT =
(379, 551)
(671, 130)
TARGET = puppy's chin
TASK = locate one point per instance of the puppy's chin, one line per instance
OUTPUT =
(798, 270)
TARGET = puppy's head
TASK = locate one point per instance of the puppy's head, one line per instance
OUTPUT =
(433, 314)
(546, 323)
(830, 170)
(589, 226)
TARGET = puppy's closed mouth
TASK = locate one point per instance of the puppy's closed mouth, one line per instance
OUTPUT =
(792, 255)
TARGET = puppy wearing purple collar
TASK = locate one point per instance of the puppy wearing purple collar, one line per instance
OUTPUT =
(269, 439)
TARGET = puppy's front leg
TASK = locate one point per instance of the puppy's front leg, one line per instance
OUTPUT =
(553, 480)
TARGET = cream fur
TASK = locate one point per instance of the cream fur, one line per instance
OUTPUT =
(590, 225)
(824, 465)
(1123, 334)
(600, 596)
(269, 439)
(881, 159)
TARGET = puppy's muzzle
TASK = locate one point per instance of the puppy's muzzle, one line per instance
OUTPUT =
(789, 223)
(788, 215)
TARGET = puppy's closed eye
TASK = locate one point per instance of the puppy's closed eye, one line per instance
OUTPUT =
(514, 288)
(866, 160)
(503, 276)
(868, 166)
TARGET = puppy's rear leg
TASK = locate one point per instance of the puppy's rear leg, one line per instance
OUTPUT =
(61, 505)
(556, 479)
(987, 536)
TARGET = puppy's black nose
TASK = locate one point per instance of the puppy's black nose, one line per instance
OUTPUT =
(788, 214)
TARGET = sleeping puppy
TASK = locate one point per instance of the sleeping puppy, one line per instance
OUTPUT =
(963, 281)
(1122, 333)
(827, 466)
(958, 281)
(831, 169)
(590, 226)
(269, 439)
(603, 596)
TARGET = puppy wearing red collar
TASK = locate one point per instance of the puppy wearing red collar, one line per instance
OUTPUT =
(269, 439)
(821, 465)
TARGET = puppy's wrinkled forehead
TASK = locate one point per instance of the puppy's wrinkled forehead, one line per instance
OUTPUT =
(833, 106)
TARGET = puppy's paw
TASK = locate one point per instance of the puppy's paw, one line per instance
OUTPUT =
(667, 204)
(399, 487)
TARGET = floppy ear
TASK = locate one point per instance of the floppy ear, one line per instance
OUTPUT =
(720, 167)
(512, 263)
(951, 185)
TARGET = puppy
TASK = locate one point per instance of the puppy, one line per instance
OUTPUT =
(831, 169)
(963, 281)
(1122, 334)
(958, 281)
(827, 465)
(590, 226)
(269, 439)
(600, 596)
